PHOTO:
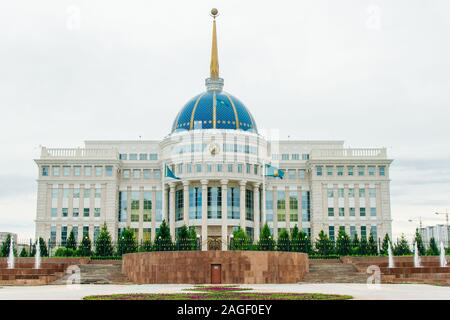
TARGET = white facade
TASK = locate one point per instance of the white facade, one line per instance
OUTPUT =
(216, 151)
(439, 232)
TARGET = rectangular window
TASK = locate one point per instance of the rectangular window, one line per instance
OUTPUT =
(85, 231)
(295, 156)
(239, 167)
(373, 231)
(331, 212)
(54, 212)
(96, 212)
(361, 170)
(179, 205)
(63, 235)
(362, 212)
(147, 206)
(66, 193)
(86, 212)
(75, 232)
(371, 170)
(123, 156)
(188, 168)
(123, 206)
(382, 171)
(98, 171)
(55, 171)
(329, 170)
(230, 167)
(87, 171)
(96, 233)
(362, 193)
(66, 171)
(76, 193)
(146, 234)
(373, 212)
(249, 210)
(352, 232)
(330, 193)
(331, 232)
(208, 167)
(195, 203)
(98, 193)
(285, 157)
(86, 193)
(352, 212)
(306, 206)
(350, 170)
(53, 234)
(153, 156)
(247, 168)
(133, 156)
(136, 174)
(179, 168)
(351, 192)
(143, 156)
(255, 169)
(293, 206)
(340, 170)
(219, 167)
(198, 168)
(305, 156)
(301, 173)
(126, 173)
(135, 206)
(292, 174)
(318, 170)
(341, 192)
(233, 203)
(77, 171)
(55, 193)
(341, 212)
(109, 171)
(269, 206)
(65, 212)
(281, 206)
(363, 232)
(157, 173)
(146, 174)
(372, 192)
(75, 212)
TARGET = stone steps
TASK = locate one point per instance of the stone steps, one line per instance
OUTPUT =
(333, 272)
(98, 274)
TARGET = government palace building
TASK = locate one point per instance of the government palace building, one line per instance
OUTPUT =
(213, 172)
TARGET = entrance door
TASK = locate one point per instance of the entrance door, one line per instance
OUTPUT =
(216, 274)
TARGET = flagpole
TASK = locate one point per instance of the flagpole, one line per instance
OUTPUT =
(264, 194)
(163, 172)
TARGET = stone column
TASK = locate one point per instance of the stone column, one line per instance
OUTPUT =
(287, 205)
(224, 188)
(256, 220)
(242, 185)
(204, 214)
(172, 210)
(263, 204)
(153, 233)
(275, 212)
(186, 202)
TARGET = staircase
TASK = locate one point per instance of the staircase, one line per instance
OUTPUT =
(333, 271)
(96, 274)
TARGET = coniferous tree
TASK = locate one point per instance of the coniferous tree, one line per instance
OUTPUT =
(324, 245)
(343, 243)
(193, 238)
(372, 248)
(163, 240)
(266, 242)
(295, 240)
(355, 244)
(385, 245)
(71, 242)
(433, 249)
(4, 252)
(419, 241)
(23, 253)
(127, 242)
(283, 241)
(103, 245)
(43, 247)
(304, 243)
(363, 247)
(402, 247)
(241, 240)
(183, 241)
(84, 250)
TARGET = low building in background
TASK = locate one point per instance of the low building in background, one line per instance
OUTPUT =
(439, 232)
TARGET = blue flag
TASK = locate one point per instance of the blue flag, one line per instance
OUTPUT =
(169, 173)
(272, 171)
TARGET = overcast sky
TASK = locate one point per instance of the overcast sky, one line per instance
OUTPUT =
(373, 73)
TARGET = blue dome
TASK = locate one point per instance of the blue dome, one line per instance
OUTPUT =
(214, 109)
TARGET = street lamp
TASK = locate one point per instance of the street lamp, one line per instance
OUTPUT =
(446, 223)
(415, 219)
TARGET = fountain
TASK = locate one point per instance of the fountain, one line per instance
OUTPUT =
(442, 259)
(391, 256)
(37, 257)
(416, 256)
(11, 255)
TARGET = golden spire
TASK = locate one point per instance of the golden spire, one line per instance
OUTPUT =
(214, 68)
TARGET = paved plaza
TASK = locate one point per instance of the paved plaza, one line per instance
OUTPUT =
(358, 291)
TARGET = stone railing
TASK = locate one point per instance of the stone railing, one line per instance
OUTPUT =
(363, 153)
(65, 153)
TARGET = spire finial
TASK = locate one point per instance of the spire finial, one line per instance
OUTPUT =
(214, 68)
